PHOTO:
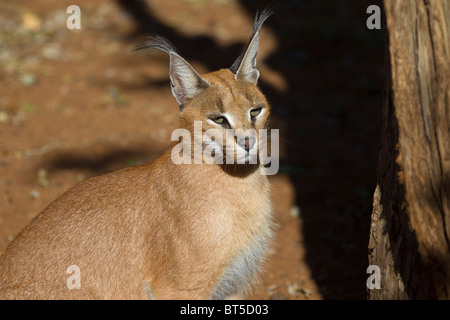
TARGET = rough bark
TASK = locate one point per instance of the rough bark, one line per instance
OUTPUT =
(410, 228)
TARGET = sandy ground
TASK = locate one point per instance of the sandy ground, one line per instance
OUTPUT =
(77, 103)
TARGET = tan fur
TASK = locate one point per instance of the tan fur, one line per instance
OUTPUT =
(159, 230)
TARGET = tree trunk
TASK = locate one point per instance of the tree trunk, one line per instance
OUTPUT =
(410, 227)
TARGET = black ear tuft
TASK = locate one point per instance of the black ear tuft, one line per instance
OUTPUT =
(157, 42)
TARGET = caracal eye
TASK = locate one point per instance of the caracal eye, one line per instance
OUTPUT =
(218, 120)
(255, 112)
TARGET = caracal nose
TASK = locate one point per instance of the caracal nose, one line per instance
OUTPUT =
(246, 143)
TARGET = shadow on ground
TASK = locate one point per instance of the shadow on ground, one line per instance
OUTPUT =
(334, 67)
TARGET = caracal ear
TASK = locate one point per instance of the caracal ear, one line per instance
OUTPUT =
(244, 67)
(185, 82)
